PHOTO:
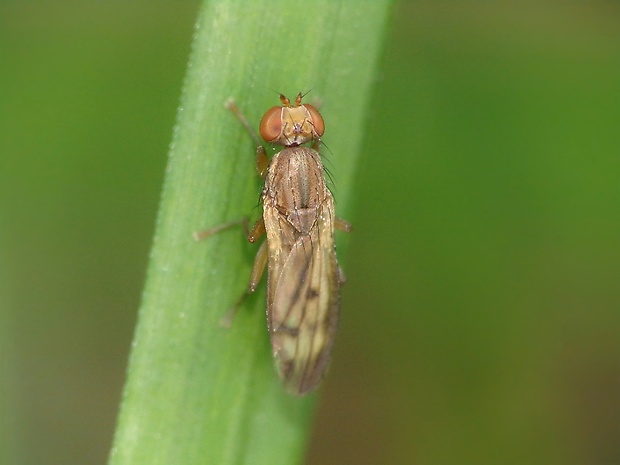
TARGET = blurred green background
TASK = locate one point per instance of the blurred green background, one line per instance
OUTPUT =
(481, 316)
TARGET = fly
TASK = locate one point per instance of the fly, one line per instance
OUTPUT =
(304, 279)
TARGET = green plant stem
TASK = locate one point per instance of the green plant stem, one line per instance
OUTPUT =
(196, 392)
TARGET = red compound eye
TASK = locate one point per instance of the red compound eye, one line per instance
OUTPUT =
(271, 125)
(317, 119)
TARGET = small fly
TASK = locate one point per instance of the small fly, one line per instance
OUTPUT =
(304, 279)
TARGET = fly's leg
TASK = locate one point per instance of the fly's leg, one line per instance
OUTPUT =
(260, 261)
(342, 225)
(232, 106)
(257, 231)
(200, 235)
(262, 161)
(261, 256)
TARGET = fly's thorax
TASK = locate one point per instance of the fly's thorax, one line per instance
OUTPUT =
(295, 179)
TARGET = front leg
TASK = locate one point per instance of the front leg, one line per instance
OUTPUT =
(262, 162)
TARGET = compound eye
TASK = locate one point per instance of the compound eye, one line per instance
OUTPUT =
(271, 125)
(317, 120)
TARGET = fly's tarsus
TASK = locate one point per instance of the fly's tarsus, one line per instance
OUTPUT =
(201, 235)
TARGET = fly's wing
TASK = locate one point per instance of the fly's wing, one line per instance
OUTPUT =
(304, 295)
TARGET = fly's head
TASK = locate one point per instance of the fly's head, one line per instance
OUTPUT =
(291, 124)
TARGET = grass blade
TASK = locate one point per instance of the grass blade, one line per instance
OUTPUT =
(197, 393)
